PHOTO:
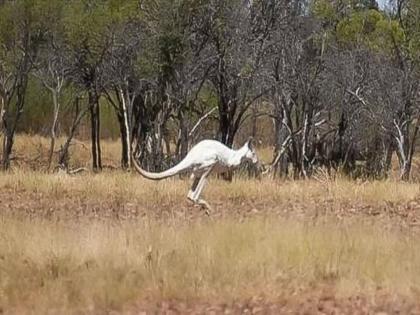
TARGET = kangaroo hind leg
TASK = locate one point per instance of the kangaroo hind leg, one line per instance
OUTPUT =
(196, 181)
(199, 188)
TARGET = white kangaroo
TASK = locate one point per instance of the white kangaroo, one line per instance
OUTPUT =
(203, 158)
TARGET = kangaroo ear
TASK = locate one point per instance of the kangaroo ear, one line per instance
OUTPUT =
(250, 143)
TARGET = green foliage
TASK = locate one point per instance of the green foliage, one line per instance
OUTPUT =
(324, 10)
(37, 115)
(387, 35)
(85, 25)
(412, 29)
(358, 27)
(109, 120)
(166, 47)
(7, 26)
(91, 24)
(208, 98)
(361, 24)
(19, 21)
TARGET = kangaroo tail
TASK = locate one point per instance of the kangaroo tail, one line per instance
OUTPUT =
(158, 176)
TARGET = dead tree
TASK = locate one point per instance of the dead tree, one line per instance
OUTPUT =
(79, 112)
(236, 37)
(52, 69)
(386, 95)
(294, 69)
(122, 82)
(399, 120)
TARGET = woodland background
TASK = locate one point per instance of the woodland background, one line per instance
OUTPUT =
(327, 84)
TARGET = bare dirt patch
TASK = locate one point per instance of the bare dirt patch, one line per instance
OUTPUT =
(315, 301)
(73, 202)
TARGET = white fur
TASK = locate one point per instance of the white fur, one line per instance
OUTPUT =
(205, 157)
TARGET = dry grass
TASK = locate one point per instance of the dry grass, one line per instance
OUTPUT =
(103, 266)
(130, 186)
(50, 264)
(265, 238)
(32, 151)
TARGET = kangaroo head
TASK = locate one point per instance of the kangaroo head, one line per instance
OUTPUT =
(250, 154)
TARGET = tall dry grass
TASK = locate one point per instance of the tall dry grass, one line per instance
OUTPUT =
(57, 267)
(132, 187)
(31, 151)
(50, 265)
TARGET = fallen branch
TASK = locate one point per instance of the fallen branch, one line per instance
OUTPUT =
(63, 169)
(77, 170)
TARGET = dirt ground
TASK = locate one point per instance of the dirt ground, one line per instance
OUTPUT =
(66, 205)
(317, 301)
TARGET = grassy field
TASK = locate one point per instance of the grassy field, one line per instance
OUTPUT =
(114, 242)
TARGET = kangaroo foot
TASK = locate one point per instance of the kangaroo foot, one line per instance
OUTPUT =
(204, 205)
(190, 196)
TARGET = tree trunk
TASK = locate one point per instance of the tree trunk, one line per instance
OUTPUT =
(281, 135)
(388, 157)
(341, 131)
(95, 131)
(64, 152)
(405, 171)
(125, 143)
(183, 136)
(2, 110)
(305, 135)
(123, 118)
(10, 123)
(227, 133)
(224, 129)
(405, 165)
(7, 149)
(254, 120)
(53, 127)
(226, 137)
(410, 149)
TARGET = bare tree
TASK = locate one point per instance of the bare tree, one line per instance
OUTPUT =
(52, 69)
(122, 84)
(79, 112)
(295, 70)
(390, 99)
(236, 38)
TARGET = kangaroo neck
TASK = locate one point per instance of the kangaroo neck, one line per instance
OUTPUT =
(237, 157)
